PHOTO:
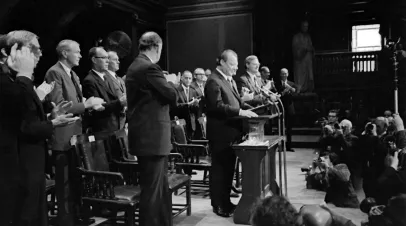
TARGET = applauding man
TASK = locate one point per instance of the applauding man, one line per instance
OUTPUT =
(67, 88)
(35, 128)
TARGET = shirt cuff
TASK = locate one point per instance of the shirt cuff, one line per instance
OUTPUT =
(240, 112)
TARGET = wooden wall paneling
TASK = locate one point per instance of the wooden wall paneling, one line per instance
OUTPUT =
(197, 42)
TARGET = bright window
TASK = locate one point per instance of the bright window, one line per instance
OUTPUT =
(366, 38)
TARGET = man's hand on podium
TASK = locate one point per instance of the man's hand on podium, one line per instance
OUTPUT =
(248, 113)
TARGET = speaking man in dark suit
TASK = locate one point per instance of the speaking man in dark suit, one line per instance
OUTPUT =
(118, 83)
(34, 128)
(223, 102)
(98, 84)
(286, 88)
(150, 94)
(67, 88)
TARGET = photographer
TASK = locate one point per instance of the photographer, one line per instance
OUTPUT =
(393, 214)
(373, 150)
(340, 190)
(393, 180)
(327, 141)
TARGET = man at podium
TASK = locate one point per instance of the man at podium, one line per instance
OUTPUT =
(223, 102)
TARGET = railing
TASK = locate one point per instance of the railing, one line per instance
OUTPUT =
(346, 62)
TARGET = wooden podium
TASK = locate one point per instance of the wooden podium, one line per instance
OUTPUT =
(258, 165)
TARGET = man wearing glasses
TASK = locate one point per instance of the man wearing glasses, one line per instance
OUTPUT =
(98, 84)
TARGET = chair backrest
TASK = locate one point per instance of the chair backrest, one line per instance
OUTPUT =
(93, 155)
(178, 131)
(106, 138)
(120, 143)
(202, 122)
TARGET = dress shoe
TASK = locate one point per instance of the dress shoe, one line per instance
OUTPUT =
(231, 207)
(290, 150)
(221, 212)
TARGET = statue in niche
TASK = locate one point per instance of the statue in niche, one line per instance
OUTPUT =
(303, 53)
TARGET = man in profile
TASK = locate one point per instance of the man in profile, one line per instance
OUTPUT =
(118, 82)
(33, 129)
(67, 88)
(223, 102)
(150, 94)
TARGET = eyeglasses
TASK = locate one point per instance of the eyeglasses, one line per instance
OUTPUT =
(35, 49)
(104, 57)
(332, 116)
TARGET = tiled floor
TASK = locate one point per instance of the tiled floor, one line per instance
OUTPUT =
(202, 214)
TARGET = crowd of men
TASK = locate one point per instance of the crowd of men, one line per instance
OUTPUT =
(35, 120)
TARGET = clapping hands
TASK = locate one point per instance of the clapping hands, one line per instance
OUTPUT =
(60, 118)
(95, 103)
(194, 102)
(22, 61)
(44, 89)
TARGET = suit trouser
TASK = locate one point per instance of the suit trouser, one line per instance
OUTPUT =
(66, 194)
(221, 173)
(31, 202)
(288, 129)
(155, 200)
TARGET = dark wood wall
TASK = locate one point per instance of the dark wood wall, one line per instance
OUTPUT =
(198, 32)
(83, 21)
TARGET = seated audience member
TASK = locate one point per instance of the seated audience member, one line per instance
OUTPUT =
(393, 214)
(340, 190)
(278, 211)
(393, 180)
(274, 211)
(321, 215)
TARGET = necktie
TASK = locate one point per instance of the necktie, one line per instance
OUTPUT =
(187, 94)
(78, 92)
(201, 89)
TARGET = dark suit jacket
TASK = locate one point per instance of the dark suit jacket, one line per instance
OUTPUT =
(202, 103)
(184, 111)
(34, 130)
(245, 80)
(119, 87)
(148, 96)
(64, 90)
(223, 102)
(10, 120)
(286, 98)
(108, 119)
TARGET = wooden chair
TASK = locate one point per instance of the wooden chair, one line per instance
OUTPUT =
(99, 186)
(176, 180)
(195, 156)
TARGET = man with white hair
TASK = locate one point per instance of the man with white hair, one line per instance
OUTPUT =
(67, 88)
